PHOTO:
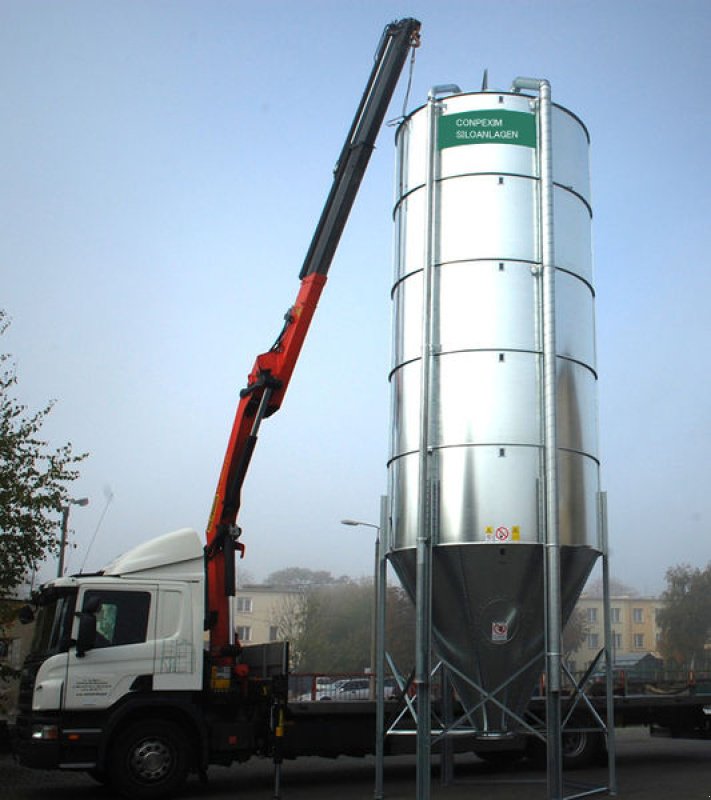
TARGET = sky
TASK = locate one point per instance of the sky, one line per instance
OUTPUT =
(162, 169)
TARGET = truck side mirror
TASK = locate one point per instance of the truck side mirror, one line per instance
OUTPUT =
(86, 636)
(91, 604)
(26, 615)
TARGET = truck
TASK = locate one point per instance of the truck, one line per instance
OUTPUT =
(135, 673)
(120, 683)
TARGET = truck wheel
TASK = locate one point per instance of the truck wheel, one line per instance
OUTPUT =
(580, 749)
(149, 760)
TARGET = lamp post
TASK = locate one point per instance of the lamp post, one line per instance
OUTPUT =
(83, 501)
(357, 523)
(377, 655)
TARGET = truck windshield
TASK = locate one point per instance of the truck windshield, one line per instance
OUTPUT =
(53, 625)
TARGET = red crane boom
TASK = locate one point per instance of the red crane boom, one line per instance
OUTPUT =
(272, 371)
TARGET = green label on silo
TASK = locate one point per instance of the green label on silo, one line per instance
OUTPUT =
(487, 127)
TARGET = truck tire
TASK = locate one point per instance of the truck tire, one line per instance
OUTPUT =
(581, 749)
(149, 760)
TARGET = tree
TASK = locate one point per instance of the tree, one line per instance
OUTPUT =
(330, 627)
(287, 616)
(574, 632)
(34, 482)
(336, 631)
(302, 576)
(617, 589)
(685, 619)
(400, 629)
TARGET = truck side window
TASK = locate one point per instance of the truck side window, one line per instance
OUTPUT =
(122, 617)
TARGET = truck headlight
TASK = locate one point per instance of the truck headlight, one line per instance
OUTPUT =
(45, 732)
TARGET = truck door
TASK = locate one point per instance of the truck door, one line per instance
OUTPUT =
(123, 648)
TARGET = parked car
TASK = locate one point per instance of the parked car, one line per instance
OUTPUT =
(324, 689)
(349, 689)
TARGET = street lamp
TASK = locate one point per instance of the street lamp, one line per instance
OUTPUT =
(355, 523)
(377, 657)
(82, 501)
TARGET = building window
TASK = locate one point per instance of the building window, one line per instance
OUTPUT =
(638, 615)
(273, 633)
(591, 615)
(244, 605)
(244, 633)
(639, 640)
(617, 641)
(615, 615)
(593, 641)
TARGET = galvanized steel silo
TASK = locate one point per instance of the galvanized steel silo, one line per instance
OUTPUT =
(469, 222)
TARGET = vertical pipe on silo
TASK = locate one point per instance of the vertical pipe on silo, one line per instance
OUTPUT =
(423, 599)
(550, 437)
(550, 403)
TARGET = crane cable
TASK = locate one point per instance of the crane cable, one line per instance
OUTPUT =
(397, 120)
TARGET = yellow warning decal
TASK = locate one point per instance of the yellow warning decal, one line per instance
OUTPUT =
(516, 533)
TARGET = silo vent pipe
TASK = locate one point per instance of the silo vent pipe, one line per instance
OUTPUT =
(445, 88)
(533, 84)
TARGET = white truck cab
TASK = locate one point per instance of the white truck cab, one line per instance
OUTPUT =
(147, 627)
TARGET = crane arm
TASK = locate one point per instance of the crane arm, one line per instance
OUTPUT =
(269, 379)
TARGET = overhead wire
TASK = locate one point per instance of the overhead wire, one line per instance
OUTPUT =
(109, 495)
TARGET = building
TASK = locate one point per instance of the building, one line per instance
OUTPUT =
(633, 622)
(267, 613)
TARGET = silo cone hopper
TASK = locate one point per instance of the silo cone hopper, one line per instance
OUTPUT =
(488, 622)
(472, 416)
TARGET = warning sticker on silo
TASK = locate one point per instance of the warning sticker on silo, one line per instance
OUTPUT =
(499, 632)
(487, 127)
(502, 533)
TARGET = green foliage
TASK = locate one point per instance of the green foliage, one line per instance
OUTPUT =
(335, 633)
(7, 617)
(400, 629)
(574, 632)
(33, 483)
(685, 620)
(9, 610)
